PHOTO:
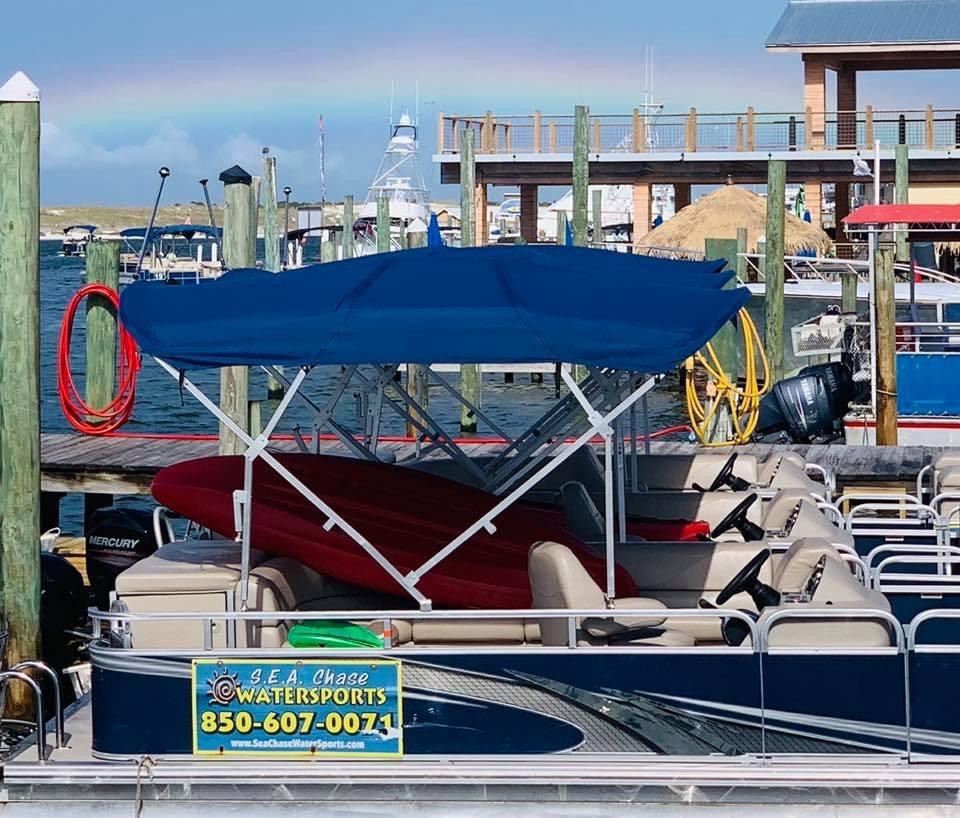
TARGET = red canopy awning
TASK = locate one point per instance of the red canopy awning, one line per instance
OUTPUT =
(914, 215)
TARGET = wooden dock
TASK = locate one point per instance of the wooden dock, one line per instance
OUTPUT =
(127, 464)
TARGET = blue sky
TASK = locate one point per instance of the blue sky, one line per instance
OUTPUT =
(130, 86)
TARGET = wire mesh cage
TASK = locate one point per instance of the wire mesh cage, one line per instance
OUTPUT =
(820, 335)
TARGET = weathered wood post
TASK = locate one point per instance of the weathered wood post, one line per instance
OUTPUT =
(470, 381)
(346, 237)
(902, 196)
(848, 291)
(271, 222)
(773, 269)
(741, 254)
(20, 374)
(103, 267)
(328, 251)
(598, 217)
(581, 173)
(271, 244)
(383, 225)
(725, 341)
(886, 352)
(561, 227)
(239, 250)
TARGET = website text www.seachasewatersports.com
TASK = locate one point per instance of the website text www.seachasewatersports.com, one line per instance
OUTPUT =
(294, 744)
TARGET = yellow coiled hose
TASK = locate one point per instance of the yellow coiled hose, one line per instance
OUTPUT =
(742, 402)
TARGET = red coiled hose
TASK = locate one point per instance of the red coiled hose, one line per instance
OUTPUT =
(79, 414)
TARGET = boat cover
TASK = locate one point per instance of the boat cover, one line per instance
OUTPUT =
(521, 304)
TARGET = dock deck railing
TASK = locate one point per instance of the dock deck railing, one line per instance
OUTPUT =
(749, 131)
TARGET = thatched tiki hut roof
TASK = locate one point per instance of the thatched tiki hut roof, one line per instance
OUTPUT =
(718, 215)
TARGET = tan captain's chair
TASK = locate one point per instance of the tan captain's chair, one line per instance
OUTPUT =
(559, 580)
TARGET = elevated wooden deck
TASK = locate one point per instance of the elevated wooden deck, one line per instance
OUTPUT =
(126, 465)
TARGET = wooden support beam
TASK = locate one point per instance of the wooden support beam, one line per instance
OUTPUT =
(481, 227)
(418, 388)
(773, 296)
(328, 251)
(103, 267)
(886, 352)
(470, 380)
(383, 224)
(486, 134)
(239, 250)
(529, 213)
(868, 127)
(930, 130)
(561, 227)
(597, 137)
(751, 129)
(725, 341)
(681, 196)
(346, 237)
(638, 133)
(552, 137)
(271, 223)
(691, 131)
(848, 291)
(741, 265)
(740, 141)
(597, 216)
(20, 377)
(642, 212)
(537, 136)
(902, 196)
(581, 173)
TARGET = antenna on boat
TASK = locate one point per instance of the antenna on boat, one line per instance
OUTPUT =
(164, 173)
(213, 221)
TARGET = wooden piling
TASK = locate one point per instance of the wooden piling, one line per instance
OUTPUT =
(383, 225)
(470, 381)
(239, 250)
(561, 227)
(773, 336)
(271, 224)
(741, 264)
(848, 291)
(886, 352)
(346, 237)
(725, 341)
(328, 251)
(103, 267)
(902, 196)
(598, 217)
(581, 173)
(20, 376)
(271, 246)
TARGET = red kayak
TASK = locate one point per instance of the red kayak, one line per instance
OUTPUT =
(408, 515)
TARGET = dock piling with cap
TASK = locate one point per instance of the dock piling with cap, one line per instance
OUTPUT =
(20, 376)
(271, 246)
(346, 237)
(102, 267)
(383, 225)
(885, 355)
(238, 251)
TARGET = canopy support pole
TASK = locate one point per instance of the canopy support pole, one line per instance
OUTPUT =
(334, 519)
(599, 424)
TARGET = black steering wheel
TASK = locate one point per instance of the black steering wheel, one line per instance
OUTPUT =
(747, 581)
(726, 477)
(737, 518)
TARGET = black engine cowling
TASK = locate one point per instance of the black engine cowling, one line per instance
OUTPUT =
(808, 406)
(116, 539)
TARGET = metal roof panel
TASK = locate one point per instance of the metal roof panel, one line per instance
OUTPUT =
(866, 22)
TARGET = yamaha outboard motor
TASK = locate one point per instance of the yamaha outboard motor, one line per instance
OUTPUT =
(116, 539)
(810, 405)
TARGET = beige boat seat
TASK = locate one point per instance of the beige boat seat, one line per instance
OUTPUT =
(204, 576)
(838, 589)
(559, 580)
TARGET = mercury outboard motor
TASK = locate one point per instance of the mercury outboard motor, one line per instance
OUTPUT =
(63, 608)
(808, 406)
(116, 539)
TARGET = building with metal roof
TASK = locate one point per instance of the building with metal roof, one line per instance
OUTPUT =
(862, 26)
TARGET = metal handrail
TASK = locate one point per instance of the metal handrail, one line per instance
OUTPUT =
(571, 615)
(866, 614)
(51, 674)
(927, 616)
(39, 725)
(910, 548)
(917, 559)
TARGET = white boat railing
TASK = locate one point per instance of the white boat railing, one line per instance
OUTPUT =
(819, 268)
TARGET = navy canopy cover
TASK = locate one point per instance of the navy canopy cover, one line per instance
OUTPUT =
(521, 304)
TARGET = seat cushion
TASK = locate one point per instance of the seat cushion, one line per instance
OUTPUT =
(189, 566)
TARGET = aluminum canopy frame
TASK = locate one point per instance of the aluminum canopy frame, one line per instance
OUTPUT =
(593, 408)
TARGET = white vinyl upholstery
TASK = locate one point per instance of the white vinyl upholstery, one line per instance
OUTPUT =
(559, 580)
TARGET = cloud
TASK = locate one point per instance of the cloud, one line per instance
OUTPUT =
(61, 148)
